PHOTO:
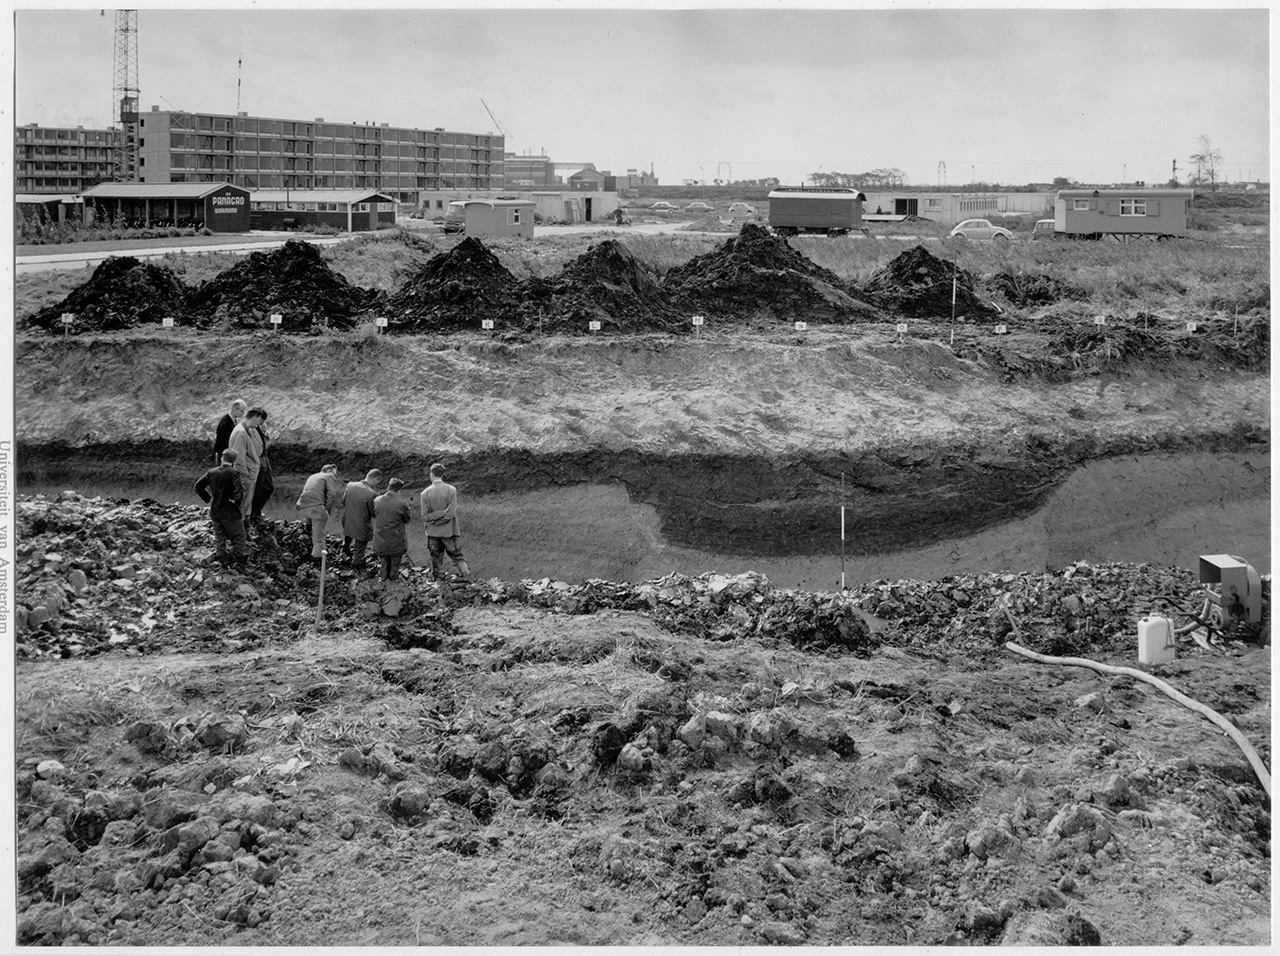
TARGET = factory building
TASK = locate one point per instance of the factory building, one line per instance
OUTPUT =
(528, 172)
(257, 152)
(61, 160)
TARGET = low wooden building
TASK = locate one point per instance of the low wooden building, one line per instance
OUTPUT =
(219, 207)
(1122, 213)
(349, 210)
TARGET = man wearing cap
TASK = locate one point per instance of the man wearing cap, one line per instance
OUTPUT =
(246, 442)
(391, 517)
(222, 437)
(357, 516)
(321, 496)
(223, 489)
(439, 507)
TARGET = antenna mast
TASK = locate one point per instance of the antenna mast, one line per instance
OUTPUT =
(125, 97)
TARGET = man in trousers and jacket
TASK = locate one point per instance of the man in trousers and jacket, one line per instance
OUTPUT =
(321, 496)
(391, 518)
(226, 423)
(439, 507)
(265, 485)
(357, 516)
(222, 488)
(246, 442)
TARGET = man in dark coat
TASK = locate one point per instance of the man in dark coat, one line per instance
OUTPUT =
(223, 489)
(357, 516)
(265, 485)
(391, 517)
(222, 437)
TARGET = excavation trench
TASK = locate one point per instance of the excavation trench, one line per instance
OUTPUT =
(918, 512)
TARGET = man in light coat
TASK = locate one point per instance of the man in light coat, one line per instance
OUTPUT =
(321, 496)
(357, 516)
(391, 517)
(438, 505)
(246, 442)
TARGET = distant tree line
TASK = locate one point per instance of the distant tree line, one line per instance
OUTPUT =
(885, 178)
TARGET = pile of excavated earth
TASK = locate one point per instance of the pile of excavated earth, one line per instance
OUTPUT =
(208, 756)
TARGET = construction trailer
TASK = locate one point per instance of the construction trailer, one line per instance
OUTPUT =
(1123, 214)
(219, 207)
(830, 211)
(349, 210)
(490, 217)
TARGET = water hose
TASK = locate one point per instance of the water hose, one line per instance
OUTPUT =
(1259, 768)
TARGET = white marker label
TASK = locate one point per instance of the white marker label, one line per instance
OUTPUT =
(1001, 330)
(276, 318)
(381, 321)
(1191, 326)
(167, 321)
(802, 326)
(902, 328)
(68, 318)
(486, 323)
(1099, 320)
(698, 320)
(594, 325)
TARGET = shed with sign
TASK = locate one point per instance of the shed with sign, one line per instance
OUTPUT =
(1122, 213)
(218, 207)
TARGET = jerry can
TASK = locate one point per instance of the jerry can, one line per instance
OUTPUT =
(1156, 643)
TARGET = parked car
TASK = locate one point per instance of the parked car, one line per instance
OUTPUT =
(662, 206)
(698, 206)
(742, 210)
(979, 229)
(1043, 229)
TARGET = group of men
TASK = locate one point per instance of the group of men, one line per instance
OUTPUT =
(372, 519)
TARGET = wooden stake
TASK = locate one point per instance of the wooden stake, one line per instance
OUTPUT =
(324, 560)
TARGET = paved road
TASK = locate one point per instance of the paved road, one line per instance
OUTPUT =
(78, 260)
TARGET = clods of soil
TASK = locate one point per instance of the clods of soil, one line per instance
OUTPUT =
(456, 290)
(918, 283)
(120, 294)
(758, 274)
(607, 284)
(292, 281)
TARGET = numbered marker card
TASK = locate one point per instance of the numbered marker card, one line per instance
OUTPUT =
(167, 321)
(697, 320)
(802, 326)
(276, 319)
(1002, 330)
(380, 322)
(594, 325)
(486, 324)
(1192, 326)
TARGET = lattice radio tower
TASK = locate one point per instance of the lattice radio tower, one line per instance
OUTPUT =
(942, 174)
(124, 97)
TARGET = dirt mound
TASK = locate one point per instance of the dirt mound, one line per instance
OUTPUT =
(455, 290)
(606, 284)
(1034, 289)
(293, 281)
(918, 283)
(122, 293)
(758, 274)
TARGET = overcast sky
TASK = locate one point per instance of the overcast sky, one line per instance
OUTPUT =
(1012, 96)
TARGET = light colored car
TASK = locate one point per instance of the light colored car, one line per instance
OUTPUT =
(979, 229)
(698, 206)
(662, 206)
(1043, 229)
(742, 210)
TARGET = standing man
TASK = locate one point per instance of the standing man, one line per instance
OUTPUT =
(390, 539)
(247, 444)
(357, 516)
(222, 488)
(439, 507)
(225, 424)
(265, 484)
(321, 495)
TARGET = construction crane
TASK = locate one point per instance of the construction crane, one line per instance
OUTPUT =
(124, 98)
(501, 129)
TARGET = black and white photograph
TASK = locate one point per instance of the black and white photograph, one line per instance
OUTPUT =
(577, 475)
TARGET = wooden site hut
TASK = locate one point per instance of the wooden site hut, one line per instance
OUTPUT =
(350, 210)
(1123, 213)
(219, 207)
(53, 208)
(499, 217)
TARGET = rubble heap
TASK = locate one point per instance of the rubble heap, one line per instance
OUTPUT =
(293, 281)
(758, 274)
(455, 290)
(918, 283)
(607, 284)
(122, 293)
